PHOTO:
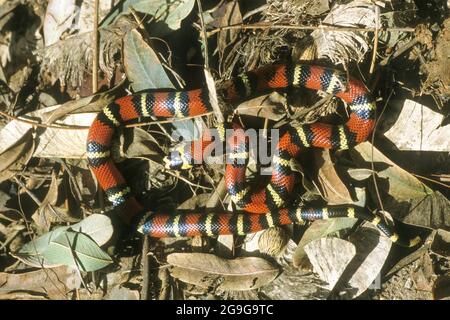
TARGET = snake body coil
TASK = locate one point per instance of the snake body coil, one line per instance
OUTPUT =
(268, 206)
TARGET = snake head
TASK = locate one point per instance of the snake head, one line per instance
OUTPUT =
(178, 159)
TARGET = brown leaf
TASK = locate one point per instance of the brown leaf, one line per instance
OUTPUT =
(424, 276)
(50, 142)
(265, 106)
(143, 145)
(407, 260)
(58, 204)
(19, 137)
(440, 244)
(17, 151)
(441, 288)
(195, 202)
(122, 293)
(52, 283)
(224, 247)
(294, 284)
(399, 183)
(417, 128)
(330, 257)
(207, 270)
(360, 271)
(334, 191)
(318, 229)
(93, 103)
(231, 15)
(430, 211)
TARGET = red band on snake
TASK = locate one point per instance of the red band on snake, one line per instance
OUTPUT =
(267, 201)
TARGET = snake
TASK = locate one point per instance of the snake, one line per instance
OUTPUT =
(270, 204)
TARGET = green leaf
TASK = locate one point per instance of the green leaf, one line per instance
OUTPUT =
(76, 249)
(142, 65)
(97, 227)
(169, 13)
(31, 253)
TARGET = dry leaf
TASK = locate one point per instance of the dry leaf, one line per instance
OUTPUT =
(330, 257)
(15, 153)
(53, 283)
(213, 96)
(142, 65)
(62, 143)
(398, 182)
(332, 188)
(268, 106)
(122, 293)
(58, 205)
(59, 18)
(361, 267)
(441, 288)
(424, 275)
(230, 15)
(195, 202)
(440, 244)
(319, 229)
(294, 284)
(51, 142)
(68, 59)
(224, 247)
(417, 128)
(251, 243)
(207, 270)
(430, 211)
(143, 145)
(342, 47)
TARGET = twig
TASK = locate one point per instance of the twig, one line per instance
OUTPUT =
(399, 52)
(36, 199)
(164, 276)
(145, 269)
(76, 261)
(219, 192)
(324, 27)
(442, 177)
(431, 180)
(30, 231)
(96, 49)
(375, 39)
(204, 34)
(9, 239)
(30, 194)
(41, 125)
(187, 181)
(72, 127)
(372, 165)
(139, 22)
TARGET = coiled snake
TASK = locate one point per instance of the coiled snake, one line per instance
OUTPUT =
(266, 207)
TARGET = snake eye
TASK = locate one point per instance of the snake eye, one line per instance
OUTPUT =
(180, 158)
(174, 161)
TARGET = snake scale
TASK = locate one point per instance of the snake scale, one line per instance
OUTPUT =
(267, 206)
